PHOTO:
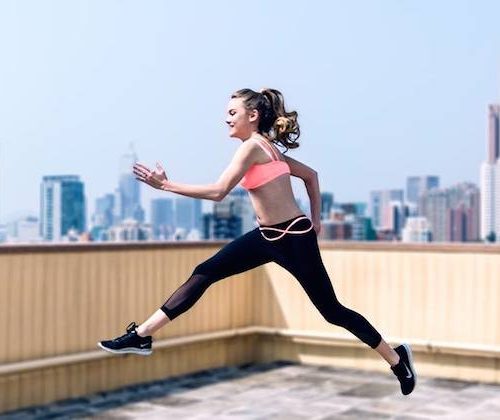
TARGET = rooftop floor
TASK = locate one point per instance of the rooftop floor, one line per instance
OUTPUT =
(281, 390)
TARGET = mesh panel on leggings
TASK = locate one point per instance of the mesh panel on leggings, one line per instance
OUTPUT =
(186, 295)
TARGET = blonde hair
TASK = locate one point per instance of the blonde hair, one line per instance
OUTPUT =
(275, 122)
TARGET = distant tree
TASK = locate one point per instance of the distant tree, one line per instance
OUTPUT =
(491, 237)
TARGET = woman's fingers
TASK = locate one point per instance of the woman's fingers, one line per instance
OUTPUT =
(141, 166)
(143, 172)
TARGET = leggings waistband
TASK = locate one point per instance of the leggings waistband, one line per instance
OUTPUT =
(285, 227)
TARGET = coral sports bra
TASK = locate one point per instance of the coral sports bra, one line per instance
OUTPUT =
(260, 174)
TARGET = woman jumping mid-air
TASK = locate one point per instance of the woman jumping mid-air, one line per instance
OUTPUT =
(284, 235)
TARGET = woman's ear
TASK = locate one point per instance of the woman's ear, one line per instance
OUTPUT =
(253, 115)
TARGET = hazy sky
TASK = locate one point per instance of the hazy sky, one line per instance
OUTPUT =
(384, 89)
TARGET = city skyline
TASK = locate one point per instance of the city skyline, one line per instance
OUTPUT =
(77, 91)
(443, 214)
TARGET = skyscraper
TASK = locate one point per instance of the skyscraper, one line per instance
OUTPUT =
(162, 217)
(129, 189)
(380, 207)
(398, 213)
(104, 208)
(62, 206)
(490, 178)
(453, 213)
(232, 217)
(463, 223)
(326, 205)
(417, 185)
(493, 133)
(188, 213)
(358, 209)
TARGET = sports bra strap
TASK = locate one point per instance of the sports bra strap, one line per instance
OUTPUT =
(260, 141)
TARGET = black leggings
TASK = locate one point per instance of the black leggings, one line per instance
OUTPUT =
(297, 251)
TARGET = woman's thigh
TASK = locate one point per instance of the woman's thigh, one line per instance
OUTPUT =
(242, 254)
(301, 257)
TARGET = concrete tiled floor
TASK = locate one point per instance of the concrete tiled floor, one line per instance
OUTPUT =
(281, 390)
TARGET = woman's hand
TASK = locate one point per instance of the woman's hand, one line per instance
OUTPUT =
(155, 178)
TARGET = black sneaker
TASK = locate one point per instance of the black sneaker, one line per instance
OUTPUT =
(128, 343)
(404, 369)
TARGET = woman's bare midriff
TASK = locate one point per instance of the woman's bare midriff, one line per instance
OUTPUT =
(274, 202)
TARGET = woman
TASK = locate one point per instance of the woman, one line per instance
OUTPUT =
(284, 235)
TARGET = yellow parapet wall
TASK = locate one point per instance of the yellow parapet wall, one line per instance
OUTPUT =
(58, 300)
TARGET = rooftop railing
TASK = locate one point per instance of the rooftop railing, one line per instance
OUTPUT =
(58, 301)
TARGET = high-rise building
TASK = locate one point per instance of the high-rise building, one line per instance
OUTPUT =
(358, 209)
(232, 217)
(362, 229)
(493, 133)
(398, 212)
(453, 213)
(162, 217)
(243, 208)
(335, 230)
(223, 223)
(434, 204)
(463, 213)
(104, 217)
(417, 185)
(326, 205)
(380, 209)
(104, 209)
(129, 198)
(188, 213)
(490, 179)
(62, 206)
(129, 230)
(25, 229)
(3, 233)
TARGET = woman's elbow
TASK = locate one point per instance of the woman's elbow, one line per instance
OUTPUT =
(219, 193)
(311, 176)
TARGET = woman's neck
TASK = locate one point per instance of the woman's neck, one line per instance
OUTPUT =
(259, 136)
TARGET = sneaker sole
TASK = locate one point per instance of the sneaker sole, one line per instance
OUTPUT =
(145, 352)
(410, 358)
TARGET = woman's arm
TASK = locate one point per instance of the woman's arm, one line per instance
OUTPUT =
(310, 178)
(242, 160)
(312, 187)
(208, 191)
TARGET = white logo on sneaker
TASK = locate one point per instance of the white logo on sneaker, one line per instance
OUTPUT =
(144, 345)
(408, 370)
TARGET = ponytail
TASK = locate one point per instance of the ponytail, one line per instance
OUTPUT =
(285, 128)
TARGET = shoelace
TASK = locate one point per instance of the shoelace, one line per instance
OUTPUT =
(130, 328)
(401, 370)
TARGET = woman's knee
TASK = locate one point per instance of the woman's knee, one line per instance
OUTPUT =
(186, 295)
(205, 269)
(335, 313)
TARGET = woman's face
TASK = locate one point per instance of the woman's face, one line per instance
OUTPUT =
(241, 123)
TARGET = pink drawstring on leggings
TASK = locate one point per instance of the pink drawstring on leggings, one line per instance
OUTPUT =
(287, 230)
